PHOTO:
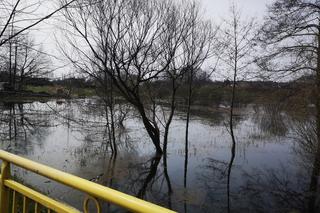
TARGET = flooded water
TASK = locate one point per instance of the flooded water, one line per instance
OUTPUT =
(271, 171)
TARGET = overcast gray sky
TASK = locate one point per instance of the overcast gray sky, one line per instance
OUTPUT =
(216, 10)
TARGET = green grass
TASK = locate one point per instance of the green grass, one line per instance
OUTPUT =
(83, 92)
(52, 90)
(38, 89)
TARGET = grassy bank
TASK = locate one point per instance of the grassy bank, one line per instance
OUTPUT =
(58, 90)
(209, 95)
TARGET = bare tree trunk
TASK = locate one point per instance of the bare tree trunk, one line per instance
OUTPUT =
(232, 110)
(10, 56)
(15, 66)
(165, 142)
(233, 154)
(111, 107)
(10, 64)
(190, 81)
(108, 98)
(108, 126)
(153, 132)
(106, 105)
(316, 165)
(168, 123)
(233, 147)
(10, 124)
(235, 72)
(14, 123)
(186, 150)
(21, 82)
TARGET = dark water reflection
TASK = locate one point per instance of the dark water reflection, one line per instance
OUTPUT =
(270, 172)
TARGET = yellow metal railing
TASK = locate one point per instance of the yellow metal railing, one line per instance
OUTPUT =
(10, 190)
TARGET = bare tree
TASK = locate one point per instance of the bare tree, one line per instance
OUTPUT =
(134, 42)
(21, 12)
(25, 61)
(237, 39)
(291, 43)
(199, 45)
(129, 56)
(195, 46)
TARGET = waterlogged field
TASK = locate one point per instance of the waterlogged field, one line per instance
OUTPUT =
(271, 171)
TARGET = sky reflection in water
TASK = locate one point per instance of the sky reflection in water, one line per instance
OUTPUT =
(271, 170)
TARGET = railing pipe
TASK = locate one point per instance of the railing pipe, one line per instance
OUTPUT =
(98, 191)
(4, 191)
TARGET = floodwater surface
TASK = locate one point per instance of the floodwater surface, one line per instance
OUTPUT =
(270, 172)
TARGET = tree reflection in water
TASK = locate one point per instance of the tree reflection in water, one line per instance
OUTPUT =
(142, 178)
(21, 125)
(281, 190)
(233, 154)
(88, 117)
(271, 119)
(215, 182)
(308, 157)
(203, 178)
(268, 188)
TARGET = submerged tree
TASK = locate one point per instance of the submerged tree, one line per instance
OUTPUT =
(133, 42)
(237, 40)
(291, 43)
(196, 46)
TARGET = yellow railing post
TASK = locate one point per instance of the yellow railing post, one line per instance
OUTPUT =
(4, 191)
(94, 191)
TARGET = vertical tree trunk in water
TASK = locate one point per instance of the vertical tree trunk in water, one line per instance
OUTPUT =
(152, 131)
(233, 154)
(233, 147)
(316, 165)
(167, 178)
(186, 148)
(21, 82)
(108, 127)
(165, 144)
(113, 131)
(109, 110)
(112, 118)
(167, 127)
(190, 81)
